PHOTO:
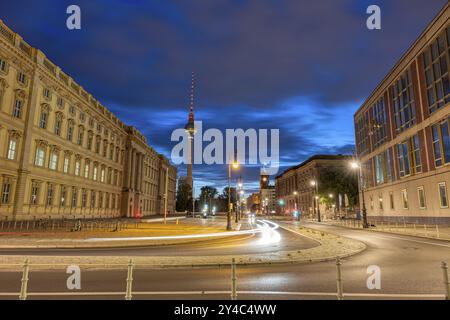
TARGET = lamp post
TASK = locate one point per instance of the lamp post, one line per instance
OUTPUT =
(235, 165)
(357, 166)
(315, 184)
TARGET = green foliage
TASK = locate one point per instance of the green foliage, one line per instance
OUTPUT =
(338, 181)
(184, 198)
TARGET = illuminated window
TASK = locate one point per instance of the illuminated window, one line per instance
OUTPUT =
(40, 156)
(12, 149)
(403, 102)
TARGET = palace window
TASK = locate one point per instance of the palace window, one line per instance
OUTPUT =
(66, 164)
(83, 198)
(40, 156)
(22, 78)
(60, 103)
(102, 175)
(403, 102)
(435, 61)
(12, 149)
(86, 169)
(97, 144)
(89, 141)
(77, 167)
(94, 177)
(93, 200)
(74, 197)
(53, 161)
(34, 193)
(62, 199)
(6, 190)
(49, 201)
(70, 130)
(3, 65)
(72, 110)
(17, 111)
(443, 195)
(80, 136)
(105, 148)
(58, 123)
(47, 94)
(43, 118)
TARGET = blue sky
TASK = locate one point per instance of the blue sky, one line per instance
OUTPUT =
(303, 67)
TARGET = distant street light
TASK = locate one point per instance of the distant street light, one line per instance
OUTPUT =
(357, 166)
(235, 166)
(315, 185)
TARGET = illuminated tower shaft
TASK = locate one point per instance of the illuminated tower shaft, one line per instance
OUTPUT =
(190, 129)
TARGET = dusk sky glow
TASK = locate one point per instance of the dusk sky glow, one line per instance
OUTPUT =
(303, 67)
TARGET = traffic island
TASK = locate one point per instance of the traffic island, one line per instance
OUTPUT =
(329, 247)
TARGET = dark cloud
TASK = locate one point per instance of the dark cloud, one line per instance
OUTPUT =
(300, 66)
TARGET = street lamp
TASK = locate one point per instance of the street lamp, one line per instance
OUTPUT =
(315, 185)
(357, 166)
(234, 165)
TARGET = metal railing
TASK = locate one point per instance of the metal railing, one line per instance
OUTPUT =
(233, 293)
(441, 232)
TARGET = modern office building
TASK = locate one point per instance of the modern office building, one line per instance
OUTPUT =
(63, 154)
(297, 187)
(402, 133)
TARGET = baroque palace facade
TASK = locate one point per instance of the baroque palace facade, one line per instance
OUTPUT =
(402, 133)
(63, 154)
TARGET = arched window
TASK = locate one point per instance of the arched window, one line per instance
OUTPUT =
(58, 123)
(13, 144)
(80, 135)
(43, 119)
(70, 128)
(19, 102)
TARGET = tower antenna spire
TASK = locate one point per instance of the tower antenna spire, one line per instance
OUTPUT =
(191, 105)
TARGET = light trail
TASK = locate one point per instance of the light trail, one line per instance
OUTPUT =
(264, 227)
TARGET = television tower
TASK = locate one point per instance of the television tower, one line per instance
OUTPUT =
(190, 129)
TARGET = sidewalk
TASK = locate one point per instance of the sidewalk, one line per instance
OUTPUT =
(418, 230)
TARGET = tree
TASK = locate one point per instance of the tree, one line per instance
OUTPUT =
(207, 196)
(184, 197)
(338, 181)
(223, 199)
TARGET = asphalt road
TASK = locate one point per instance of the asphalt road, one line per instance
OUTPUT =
(409, 266)
(246, 244)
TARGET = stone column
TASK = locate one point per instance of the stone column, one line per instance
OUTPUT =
(133, 170)
(30, 106)
(127, 173)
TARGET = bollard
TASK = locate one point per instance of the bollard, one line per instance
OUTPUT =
(128, 294)
(177, 221)
(437, 231)
(426, 232)
(404, 226)
(340, 290)
(446, 282)
(23, 287)
(233, 279)
(414, 226)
